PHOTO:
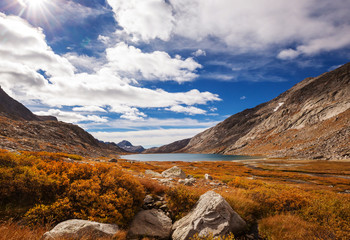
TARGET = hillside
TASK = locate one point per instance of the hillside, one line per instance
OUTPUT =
(172, 147)
(20, 129)
(310, 120)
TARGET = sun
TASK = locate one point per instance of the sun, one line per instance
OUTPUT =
(35, 3)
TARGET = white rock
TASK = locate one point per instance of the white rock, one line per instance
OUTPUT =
(211, 215)
(151, 223)
(208, 177)
(174, 172)
(76, 229)
(152, 173)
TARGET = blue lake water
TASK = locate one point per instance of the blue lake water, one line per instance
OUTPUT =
(184, 157)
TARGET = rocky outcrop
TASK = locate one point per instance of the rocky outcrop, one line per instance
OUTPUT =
(151, 223)
(174, 172)
(172, 147)
(77, 229)
(152, 173)
(211, 215)
(310, 120)
(127, 146)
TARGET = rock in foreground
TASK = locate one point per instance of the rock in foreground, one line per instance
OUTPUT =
(174, 172)
(77, 229)
(211, 215)
(150, 223)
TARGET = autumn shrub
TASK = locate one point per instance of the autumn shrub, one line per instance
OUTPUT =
(153, 186)
(211, 237)
(181, 200)
(14, 231)
(291, 227)
(50, 190)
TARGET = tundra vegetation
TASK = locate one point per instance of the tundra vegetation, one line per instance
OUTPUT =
(285, 199)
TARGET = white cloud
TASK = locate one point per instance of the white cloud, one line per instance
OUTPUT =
(88, 109)
(244, 26)
(243, 98)
(199, 52)
(104, 39)
(149, 138)
(146, 19)
(150, 66)
(189, 110)
(24, 52)
(71, 116)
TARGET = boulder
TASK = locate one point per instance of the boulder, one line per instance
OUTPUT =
(151, 223)
(113, 160)
(187, 181)
(77, 229)
(211, 215)
(208, 177)
(152, 173)
(174, 172)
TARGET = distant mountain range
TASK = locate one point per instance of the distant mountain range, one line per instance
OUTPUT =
(127, 146)
(311, 120)
(20, 129)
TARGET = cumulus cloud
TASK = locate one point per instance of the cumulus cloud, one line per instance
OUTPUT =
(150, 66)
(88, 109)
(71, 116)
(189, 110)
(25, 56)
(244, 26)
(199, 52)
(148, 138)
(146, 19)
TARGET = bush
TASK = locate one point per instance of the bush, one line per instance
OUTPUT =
(52, 191)
(180, 201)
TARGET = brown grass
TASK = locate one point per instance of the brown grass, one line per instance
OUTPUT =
(14, 231)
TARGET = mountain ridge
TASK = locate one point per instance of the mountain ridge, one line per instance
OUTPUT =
(20, 129)
(310, 120)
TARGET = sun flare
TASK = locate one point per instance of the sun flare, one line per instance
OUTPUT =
(35, 3)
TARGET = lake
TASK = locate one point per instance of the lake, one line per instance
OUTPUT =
(184, 157)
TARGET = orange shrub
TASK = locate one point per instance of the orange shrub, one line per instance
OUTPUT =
(61, 190)
(180, 201)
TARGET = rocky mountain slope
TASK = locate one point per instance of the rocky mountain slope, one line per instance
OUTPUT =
(127, 146)
(172, 147)
(310, 120)
(20, 129)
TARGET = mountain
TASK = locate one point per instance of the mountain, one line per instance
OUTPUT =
(127, 146)
(20, 129)
(11, 108)
(172, 147)
(311, 120)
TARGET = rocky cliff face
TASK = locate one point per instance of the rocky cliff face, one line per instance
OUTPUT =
(311, 120)
(127, 146)
(20, 129)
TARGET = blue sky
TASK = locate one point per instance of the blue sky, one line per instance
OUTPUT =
(156, 71)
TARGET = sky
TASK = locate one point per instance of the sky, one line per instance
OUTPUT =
(156, 71)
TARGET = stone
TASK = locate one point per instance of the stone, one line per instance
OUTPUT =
(148, 199)
(174, 172)
(113, 160)
(211, 215)
(208, 177)
(77, 229)
(150, 223)
(166, 181)
(152, 173)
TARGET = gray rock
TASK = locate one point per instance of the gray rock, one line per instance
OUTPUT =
(148, 199)
(166, 181)
(174, 172)
(152, 173)
(76, 229)
(211, 215)
(151, 223)
(208, 177)
(189, 182)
